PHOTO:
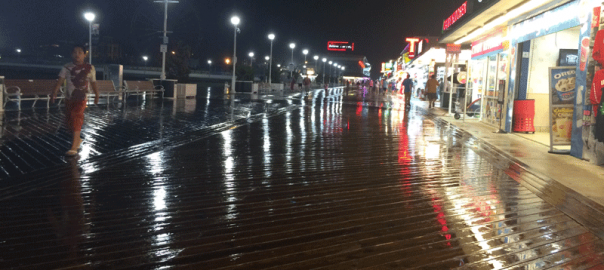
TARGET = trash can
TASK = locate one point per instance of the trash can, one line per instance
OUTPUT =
(169, 86)
(444, 102)
(524, 115)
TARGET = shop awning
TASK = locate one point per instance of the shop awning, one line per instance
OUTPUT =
(439, 55)
(501, 13)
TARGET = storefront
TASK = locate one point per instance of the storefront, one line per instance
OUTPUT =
(546, 63)
(489, 74)
(431, 62)
(547, 49)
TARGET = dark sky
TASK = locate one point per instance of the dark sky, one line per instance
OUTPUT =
(378, 28)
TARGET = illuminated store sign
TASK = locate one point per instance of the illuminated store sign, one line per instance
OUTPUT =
(460, 12)
(386, 67)
(453, 48)
(340, 46)
(491, 43)
(560, 18)
(412, 43)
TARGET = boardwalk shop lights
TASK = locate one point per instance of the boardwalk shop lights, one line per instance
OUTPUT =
(430, 59)
(532, 69)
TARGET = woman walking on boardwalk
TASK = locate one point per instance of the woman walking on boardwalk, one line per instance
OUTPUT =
(431, 88)
(79, 75)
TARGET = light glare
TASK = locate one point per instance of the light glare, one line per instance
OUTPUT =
(89, 16)
(235, 20)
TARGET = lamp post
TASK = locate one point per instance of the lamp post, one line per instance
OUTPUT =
(270, 64)
(330, 63)
(210, 66)
(145, 58)
(316, 60)
(18, 52)
(251, 54)
(324, 60)
(305, 52)
(235, 21)
(335, 81)
(291, 72)
(267, 58)
(89, 16)
(165, 39)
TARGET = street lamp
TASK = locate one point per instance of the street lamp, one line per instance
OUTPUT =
(335, 73)
(330, 68)
(316, 58)
(305, 52)
(267, 58)
(227, 61)
(89, 16)
(324, 60)
(251, 54)
(210, 66)
(270, 64)
(235, 21)
(292, 46)
(164, 46)
(145, 58)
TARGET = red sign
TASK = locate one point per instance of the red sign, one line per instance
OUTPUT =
(412, 42)
(595, 17)
(492, 42)
(362, 64)
(460, 12)
(453, 48)
(340, 46)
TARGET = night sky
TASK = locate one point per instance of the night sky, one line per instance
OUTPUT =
(378, 28)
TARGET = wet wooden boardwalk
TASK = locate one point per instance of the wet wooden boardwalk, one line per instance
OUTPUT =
(320, 185)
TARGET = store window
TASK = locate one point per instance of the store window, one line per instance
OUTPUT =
(496, 81)
(478, 84)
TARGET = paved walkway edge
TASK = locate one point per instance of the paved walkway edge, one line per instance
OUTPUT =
(579, 207)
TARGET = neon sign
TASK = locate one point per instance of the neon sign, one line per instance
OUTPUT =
(340, 46)
(460, 12)
(361, 64)
(412, 42)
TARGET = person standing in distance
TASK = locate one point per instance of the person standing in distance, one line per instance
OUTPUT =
(79, 75)
(408, 85)
(431, 89)
(306, 85)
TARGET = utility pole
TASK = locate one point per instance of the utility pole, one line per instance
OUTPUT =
(165, 39)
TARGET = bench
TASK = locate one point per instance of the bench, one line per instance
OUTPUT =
(106, 89)
(19, 90)
(142, 88)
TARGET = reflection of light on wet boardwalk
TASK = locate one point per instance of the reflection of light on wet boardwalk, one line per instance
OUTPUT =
(33, 140)
(331, 186)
